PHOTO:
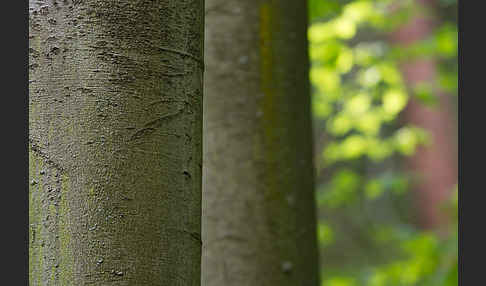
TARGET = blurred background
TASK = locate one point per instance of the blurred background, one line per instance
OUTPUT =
(384, 92)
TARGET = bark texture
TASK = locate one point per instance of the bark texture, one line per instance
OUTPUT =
(259, 225)
(115, 121)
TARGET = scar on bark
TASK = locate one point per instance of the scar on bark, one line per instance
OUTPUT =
(165, 101)
(153, 125)
(227, 237)
(175, 74)
(183, 54)
(174, 71)
(194, 235)
(34, 146)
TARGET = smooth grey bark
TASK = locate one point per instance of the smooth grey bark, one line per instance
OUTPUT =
(115, 123)
(259, 224)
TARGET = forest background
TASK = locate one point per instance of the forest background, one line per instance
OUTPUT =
(384, 78)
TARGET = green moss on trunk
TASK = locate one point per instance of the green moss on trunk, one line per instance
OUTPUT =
(258, 203)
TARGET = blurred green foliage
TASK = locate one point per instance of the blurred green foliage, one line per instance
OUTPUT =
(358, 94)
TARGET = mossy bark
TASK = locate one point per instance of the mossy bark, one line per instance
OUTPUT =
(259, 224)
(115, 131)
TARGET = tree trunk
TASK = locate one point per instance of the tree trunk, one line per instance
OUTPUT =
(435, 164)
(259, 225)
(115, 121)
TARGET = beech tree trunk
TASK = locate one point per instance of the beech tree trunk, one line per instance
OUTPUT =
(259, 221)
(436, 164)
(115, 121)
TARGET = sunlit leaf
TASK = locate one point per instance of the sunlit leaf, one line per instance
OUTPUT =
(340, 125)
(358, 11)
(325, 79)
(407, 139)
(394, 101)
(344, 28)
(344, 61)
(358, 104)
(369, 123)
(370, 77)
(354, 146)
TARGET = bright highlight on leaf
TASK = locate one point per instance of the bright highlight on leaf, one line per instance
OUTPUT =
(358, 105)
(344, 28)
(394, 101)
